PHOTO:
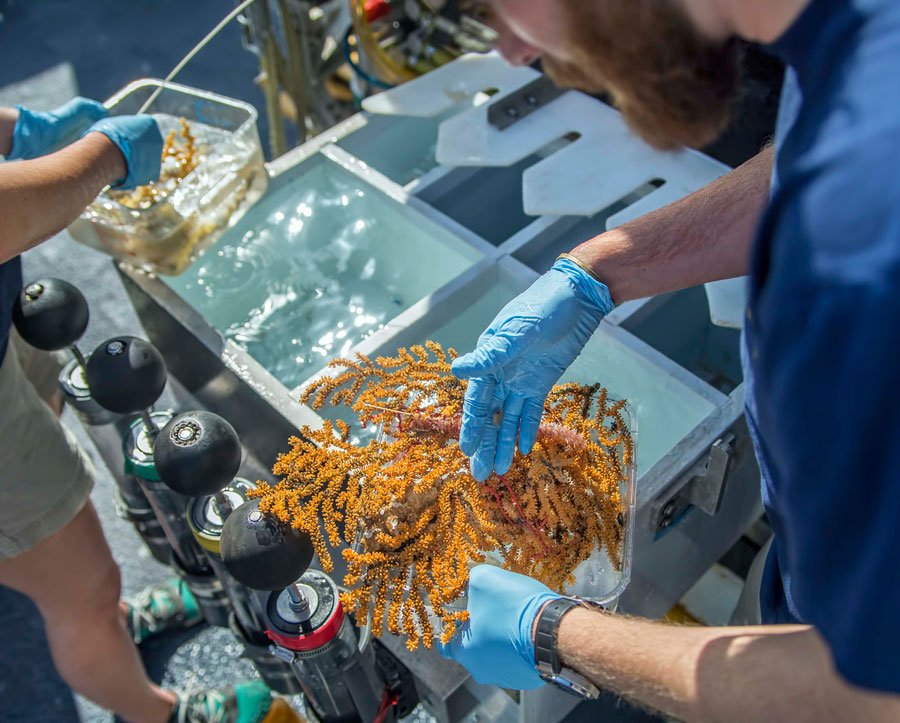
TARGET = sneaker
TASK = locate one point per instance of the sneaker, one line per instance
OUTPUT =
(168, 606)
(243, 703)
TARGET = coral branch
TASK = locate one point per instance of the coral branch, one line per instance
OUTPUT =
(412, 520)
(450, 426)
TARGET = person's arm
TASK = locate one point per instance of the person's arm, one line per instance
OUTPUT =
(734, 674)
(40, 197)
(704, 237)
(532, 341)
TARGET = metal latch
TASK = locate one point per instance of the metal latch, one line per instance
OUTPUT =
(523, 102)
(281, 653)
(704, 490)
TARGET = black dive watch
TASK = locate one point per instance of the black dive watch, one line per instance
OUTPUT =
(546, 654)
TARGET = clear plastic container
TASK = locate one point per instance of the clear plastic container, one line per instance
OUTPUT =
(230, 178)
(598, 579)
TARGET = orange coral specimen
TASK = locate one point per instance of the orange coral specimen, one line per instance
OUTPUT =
(408, 514)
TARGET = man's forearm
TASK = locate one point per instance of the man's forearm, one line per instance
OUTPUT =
(41, 197)
(763, 673)
(704, 237)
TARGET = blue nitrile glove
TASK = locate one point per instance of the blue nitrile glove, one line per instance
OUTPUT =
(496, 646)
(523, 353)
(37, 134)
(141, 143)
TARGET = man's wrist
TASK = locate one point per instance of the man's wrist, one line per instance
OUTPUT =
(577, 614)
(585, 282)
(607, 257)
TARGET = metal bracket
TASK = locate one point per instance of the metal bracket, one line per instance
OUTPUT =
(245, 23)
(288, 656)
(703, 488)
(706, 492)
(523, 102)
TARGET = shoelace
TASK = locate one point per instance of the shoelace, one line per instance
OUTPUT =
(203, 707)
(150, 607)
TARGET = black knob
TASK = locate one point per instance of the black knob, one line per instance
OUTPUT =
(126, 374)
(261, 552)
(50, 314)
(197, 454)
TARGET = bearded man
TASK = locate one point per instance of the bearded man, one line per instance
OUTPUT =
(815, 223)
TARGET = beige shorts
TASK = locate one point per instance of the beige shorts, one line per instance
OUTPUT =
(45, 478)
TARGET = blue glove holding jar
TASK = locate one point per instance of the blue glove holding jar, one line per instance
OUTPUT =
(141, 144)
(496, 645)
(39, 134)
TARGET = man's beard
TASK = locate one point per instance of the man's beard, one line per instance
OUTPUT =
(673, 86)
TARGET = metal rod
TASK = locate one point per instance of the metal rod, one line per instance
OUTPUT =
(300, 605)
(79, 357)
(297, 597)
(196, 49)
(295, 67)
(269, 58)
(149, 424)
(223, 505)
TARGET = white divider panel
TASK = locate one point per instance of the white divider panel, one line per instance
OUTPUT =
(450, 84)
(605, 164)
(468, 139)
(728, 298)
(727, 302)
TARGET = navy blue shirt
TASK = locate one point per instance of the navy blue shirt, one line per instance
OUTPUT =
(10, 286)
(822, 339)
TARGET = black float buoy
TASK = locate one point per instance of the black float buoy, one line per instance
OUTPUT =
(262, 553)
(197, 454)
(50, 314)
(126, 375)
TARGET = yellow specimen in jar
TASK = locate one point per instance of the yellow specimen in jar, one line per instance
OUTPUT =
(180, 156)
(410, 517)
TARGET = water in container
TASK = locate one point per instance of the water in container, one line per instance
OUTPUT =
(321, 264)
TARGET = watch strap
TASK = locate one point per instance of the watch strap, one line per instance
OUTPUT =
(546, 653)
